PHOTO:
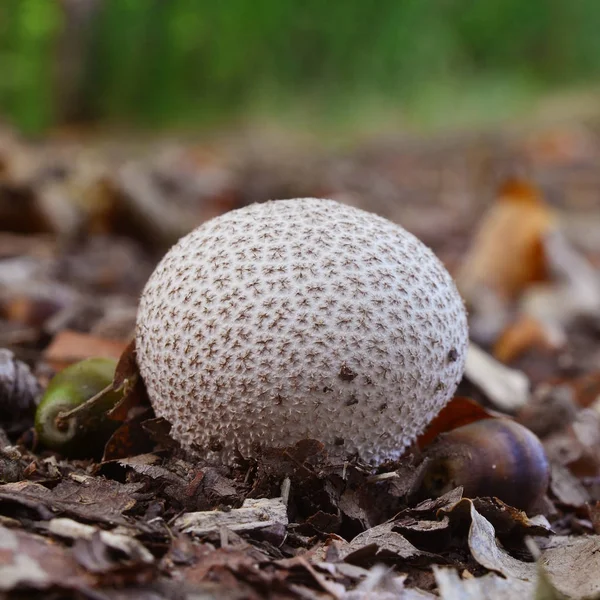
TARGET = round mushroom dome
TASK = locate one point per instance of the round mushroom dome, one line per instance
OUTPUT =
(298, 319)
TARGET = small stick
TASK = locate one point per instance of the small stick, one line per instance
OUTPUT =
(63, 417)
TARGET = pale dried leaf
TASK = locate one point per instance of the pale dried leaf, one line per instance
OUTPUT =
(125, 544)
(19, 393)
(488, 587)
(487, 552)
(30, 561)
(381, 540)
(507, 389)
(254, 514)
(567, 488)
(573, 565)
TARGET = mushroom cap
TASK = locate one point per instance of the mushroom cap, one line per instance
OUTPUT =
(296, 319)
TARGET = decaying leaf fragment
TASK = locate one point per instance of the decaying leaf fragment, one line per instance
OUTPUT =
(574, 291)
(525, 333)
(125, 544)
(507, 389)
(68, 347)
(379, 543)
(488, 587)
(459, 411)
(81, 497)
(573, 565)
(507, 253)
(19, 393)
(253, 514)
(32, 562)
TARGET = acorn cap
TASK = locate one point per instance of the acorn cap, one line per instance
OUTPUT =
(297, 319)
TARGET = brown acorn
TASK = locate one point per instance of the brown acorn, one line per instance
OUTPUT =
(492, 457)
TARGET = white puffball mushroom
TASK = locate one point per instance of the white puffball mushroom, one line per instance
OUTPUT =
(298, 319)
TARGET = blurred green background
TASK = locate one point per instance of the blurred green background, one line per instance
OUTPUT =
(183, 63)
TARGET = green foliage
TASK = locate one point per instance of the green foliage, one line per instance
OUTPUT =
(28, 33)
(169, 62)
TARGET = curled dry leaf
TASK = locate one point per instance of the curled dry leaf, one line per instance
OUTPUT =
(551, 409)
(120, 542)
(524, 334)
(380, 543)
(507, 389)
(574, 293)
(19, 394)
(127, 377)
(126, 373)
(458, 412)
(486, 550)
(566, 488)
(507, 253)
(130, 439)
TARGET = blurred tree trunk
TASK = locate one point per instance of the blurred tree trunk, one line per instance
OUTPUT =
(73, 52)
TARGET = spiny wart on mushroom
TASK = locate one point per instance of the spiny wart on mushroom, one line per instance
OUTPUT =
(300, 319)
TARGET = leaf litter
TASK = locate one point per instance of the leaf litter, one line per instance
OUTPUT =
(83, 226)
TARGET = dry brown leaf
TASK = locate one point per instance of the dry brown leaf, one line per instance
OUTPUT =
(459, 411)
(69, 347)
(566, 488)
(486, 550)
(92, 499)
(587, 389)
(524, 334)
(32, 562)
(378, 543)
(130, 439)
(507, 253)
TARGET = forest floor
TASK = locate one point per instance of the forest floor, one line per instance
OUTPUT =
(514, 216)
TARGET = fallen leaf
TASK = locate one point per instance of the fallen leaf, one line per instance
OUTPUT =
(573, 565)
(509, 521)
(459, 411)
(566, 488)
(486, 550)
(507, 389)
(19, 394)
(92, 498)
(573, 293)
(254, 514)
(126, 372)
(488, 587)
(69, 347)
(126, 545)
(507, 253)
(380, 583)
(551, 409)
(31, 562)
(523, 335)
(128, 440)
(587, 389)
(380, 543)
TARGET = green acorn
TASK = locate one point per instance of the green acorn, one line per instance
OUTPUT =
(84, 432)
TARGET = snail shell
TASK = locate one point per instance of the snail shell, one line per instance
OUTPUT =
(492, 457)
